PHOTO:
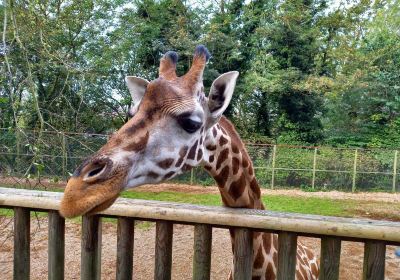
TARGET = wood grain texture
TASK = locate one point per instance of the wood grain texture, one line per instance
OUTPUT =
(243, 254)
(330, 258)
(91, 248)
(374, 260)
(125, 239)
(220, 216)
(22, 228)
(287, 246)
(56, 251)
(202, 252)
(163, 251)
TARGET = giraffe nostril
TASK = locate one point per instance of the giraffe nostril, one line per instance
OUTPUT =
(95, 171)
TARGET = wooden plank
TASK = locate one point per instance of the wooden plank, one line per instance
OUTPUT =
(243, 254)
(125, 239)
(56, 251)
(220, 216)
(202, 252)
(374, 260)
(163, 250)
(91, 248)
(287, 246)
(330, 258)
(22, 233)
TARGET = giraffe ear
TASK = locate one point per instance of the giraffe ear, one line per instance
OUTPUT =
(221, 94)
(137, 88)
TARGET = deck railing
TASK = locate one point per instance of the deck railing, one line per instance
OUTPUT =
(376, 235)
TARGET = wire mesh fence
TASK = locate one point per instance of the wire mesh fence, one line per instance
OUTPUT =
(54, 156)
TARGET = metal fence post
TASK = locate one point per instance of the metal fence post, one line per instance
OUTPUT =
(314, 167)
(191, 176)
(273, 167)
(353, 187)
(394, 171)
(64, 154)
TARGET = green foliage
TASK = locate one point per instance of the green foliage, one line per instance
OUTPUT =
(311, 72)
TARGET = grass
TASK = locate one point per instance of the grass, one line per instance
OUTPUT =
(319, 206)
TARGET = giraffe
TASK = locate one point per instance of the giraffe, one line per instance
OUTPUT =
(175, 127)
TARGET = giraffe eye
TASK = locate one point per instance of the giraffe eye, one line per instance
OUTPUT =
(189, 125)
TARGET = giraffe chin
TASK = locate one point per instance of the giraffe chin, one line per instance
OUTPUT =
(81, 198)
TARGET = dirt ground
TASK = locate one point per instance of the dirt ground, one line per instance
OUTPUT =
(351, 257)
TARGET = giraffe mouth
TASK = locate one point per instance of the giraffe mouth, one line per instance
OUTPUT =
(81, 198)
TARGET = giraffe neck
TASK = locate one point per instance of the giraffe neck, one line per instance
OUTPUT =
(227, 160)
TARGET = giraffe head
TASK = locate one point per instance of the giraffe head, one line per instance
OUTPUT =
(164, 137)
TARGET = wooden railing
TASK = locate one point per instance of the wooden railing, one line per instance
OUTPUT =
(376, 235)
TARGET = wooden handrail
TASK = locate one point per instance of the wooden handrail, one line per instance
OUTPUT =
(347, 228)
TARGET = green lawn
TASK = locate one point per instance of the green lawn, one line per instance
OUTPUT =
(319, 206)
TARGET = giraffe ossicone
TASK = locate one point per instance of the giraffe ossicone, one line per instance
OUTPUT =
(175, 127)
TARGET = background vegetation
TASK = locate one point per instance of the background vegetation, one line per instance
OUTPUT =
(312, 71)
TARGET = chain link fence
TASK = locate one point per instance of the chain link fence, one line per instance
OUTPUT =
(54, 156)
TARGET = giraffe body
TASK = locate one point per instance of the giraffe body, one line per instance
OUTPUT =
(173, 128)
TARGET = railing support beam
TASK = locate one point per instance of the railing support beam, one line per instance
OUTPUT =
(202, 252)
(330, 258)
(22, 228)
(91, 248)
(287, 246)
(125, 239)
(163, 253)
(243, 254)
(56, 251)
(374, 260)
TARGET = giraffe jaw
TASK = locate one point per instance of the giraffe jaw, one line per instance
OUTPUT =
(81, 198)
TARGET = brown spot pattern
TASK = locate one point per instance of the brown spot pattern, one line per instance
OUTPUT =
(267, 238)
(236, 188)
(199, 154)
(255, 188)
(214, 131)
(192, 152)
(186, 167)
(222, 157)
(153, 175)
(245, 161)
(211, 158)
(222, 141)
(139, 145)
(211, 147)
(235, 149)
(166, 163)
(269, 273)
(235, 165)
(259, 260)
(222, 176)
(182, 154)
(168, 175)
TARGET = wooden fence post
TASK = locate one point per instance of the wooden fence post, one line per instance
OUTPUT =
(163, 254)
(394, 171)
(56, 251)
(314, 168)
(91, 248)
(125, 239)
(243, 256)
(22, 234)
(202, 252)
(353, 187)
(273, 167)
(330, 258)
(374, 260)
(287, 246)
